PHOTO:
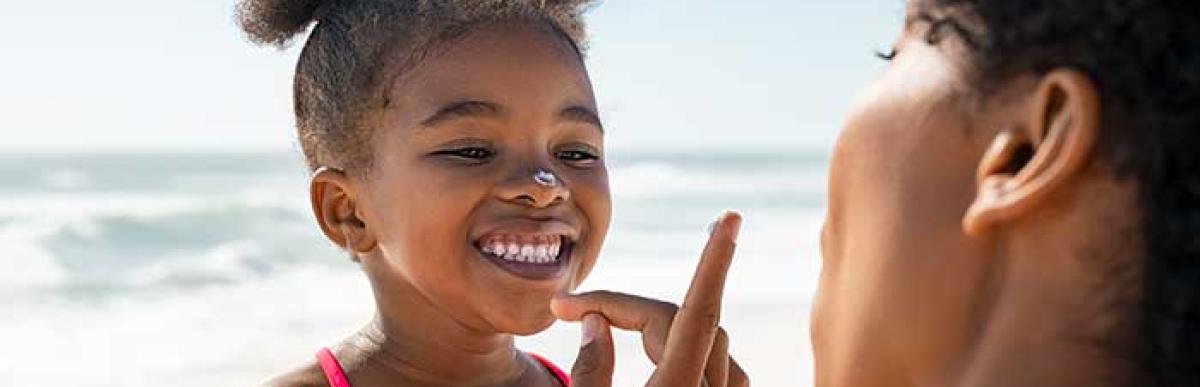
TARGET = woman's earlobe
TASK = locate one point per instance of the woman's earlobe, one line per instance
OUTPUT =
(335, 205)
(1008, 154)
(1051, 148)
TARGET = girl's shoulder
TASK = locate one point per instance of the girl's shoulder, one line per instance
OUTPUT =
(310, 375)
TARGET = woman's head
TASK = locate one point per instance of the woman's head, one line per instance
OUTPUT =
(426, 123)
(1023, 173)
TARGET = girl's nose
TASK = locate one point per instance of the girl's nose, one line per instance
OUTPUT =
(539, 188)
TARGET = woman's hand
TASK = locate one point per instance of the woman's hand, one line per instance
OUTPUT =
(686, 343)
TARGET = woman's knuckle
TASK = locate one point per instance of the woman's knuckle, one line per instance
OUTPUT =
(710, 318)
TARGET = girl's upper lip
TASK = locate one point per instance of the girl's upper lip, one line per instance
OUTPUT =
(529, 226)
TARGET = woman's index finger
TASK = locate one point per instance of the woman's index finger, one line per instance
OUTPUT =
(703, 299)
(696, 323)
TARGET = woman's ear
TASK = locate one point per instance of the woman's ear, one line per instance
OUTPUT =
(1050, 147)
(337, 208)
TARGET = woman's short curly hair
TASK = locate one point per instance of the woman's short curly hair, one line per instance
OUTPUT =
(353, 52)
(1144, 56)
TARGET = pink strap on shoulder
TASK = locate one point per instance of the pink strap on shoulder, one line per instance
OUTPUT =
(332, 369)
(558, 372)
(337, 377)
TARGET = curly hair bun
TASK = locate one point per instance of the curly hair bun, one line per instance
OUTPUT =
(277, 22)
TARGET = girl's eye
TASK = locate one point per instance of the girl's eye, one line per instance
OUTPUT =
(578, 158)
(467, 153)
(887, 55)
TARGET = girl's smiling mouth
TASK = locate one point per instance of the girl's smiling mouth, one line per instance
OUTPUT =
(534, 255)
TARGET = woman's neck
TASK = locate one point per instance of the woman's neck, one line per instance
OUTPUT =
(1061, 312)
(1035, 338)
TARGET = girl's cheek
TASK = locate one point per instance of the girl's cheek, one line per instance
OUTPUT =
(597, 189)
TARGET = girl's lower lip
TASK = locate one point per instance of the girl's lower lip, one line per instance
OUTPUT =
(533, 271)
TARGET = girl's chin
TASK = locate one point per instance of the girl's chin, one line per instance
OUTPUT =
(528, 323)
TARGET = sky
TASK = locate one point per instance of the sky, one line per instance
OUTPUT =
(670, 75)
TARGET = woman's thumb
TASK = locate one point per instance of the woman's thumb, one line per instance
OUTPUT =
(594, 365)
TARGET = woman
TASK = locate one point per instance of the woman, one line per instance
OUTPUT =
(1016, 201)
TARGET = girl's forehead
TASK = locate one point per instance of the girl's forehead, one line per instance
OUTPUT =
(489, 46)
(508, 66)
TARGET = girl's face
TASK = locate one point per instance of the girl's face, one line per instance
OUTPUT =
(462, 223)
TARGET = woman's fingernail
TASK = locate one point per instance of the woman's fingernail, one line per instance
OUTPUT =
(592, 324)
(734, 224)
(731, 220)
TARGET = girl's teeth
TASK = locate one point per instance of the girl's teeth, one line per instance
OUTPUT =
(546, 250)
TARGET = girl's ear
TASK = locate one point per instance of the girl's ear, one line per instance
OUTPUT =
(1048, 149)
(337, 208)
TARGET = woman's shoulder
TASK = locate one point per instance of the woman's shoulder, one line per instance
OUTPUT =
(310, 375)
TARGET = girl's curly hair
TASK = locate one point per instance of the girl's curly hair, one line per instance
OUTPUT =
(347, 60)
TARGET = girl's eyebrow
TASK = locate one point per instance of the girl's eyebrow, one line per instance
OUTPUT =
(476, 108)
(463, 109)
(582, 114)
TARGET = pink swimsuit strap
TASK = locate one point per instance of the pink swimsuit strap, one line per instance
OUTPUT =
(332, 369)
(336, 376)
(558, 372)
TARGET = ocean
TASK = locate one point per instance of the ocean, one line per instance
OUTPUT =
(207, 269)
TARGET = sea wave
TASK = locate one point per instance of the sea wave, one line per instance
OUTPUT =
(110, 243)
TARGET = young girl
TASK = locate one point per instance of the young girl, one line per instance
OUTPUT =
(458, 156)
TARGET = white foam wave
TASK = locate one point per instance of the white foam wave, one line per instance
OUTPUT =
(229, 262)
(27, 265)
(84, 226)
